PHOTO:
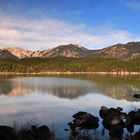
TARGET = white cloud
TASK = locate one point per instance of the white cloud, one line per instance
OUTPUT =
(133, 3)
(46, 33)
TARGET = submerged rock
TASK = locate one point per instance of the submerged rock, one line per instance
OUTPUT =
(66, 129)
(130, 128)
(136, 136)
(116, 132)
(136, 95)
(72, 126)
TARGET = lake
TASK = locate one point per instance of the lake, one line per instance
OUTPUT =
(52, 100)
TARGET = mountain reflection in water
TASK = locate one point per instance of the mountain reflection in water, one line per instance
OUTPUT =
(70, 88)
(53, 100)
(61, 87)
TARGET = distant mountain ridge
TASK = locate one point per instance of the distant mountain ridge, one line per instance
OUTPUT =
(18, 52)
(6, 54)
(121, 51)
(70, 50)
(118, 51)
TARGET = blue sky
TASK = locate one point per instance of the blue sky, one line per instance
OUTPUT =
(43, 24)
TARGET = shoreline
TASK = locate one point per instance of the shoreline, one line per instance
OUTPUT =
(72, 73)
(113, 120)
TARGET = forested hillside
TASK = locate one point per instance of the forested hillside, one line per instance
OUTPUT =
(63, 64)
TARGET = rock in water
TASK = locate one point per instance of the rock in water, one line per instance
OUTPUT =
(79, 114)
(130, 118)
(116, 132)
(136, 95)
(113, 120)
(136, 136)
(85, 120)
(104, 111)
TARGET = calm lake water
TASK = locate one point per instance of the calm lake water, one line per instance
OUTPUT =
(52, 100)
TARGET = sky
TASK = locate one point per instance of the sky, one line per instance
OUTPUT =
(44, 24)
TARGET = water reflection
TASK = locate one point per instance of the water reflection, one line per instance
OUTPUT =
(53, 100)
(61, 87)
(71, 88)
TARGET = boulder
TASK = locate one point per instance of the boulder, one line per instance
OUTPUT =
(112, 116)
(137, 117)
(111, 120)
(104, 111)
(79, 114)
(86, 120)
(130, 118)
(83, 120)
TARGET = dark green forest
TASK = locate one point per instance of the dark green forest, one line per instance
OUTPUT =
(63, 64)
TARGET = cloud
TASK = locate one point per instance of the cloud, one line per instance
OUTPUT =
(133, 3)
(34, 34)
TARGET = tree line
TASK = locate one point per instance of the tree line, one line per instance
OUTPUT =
(63, 64)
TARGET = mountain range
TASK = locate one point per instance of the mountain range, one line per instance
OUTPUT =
(118, 51)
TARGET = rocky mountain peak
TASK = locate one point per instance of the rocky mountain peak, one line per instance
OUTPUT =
(18, 52)
(119, 51)
(70, 50)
